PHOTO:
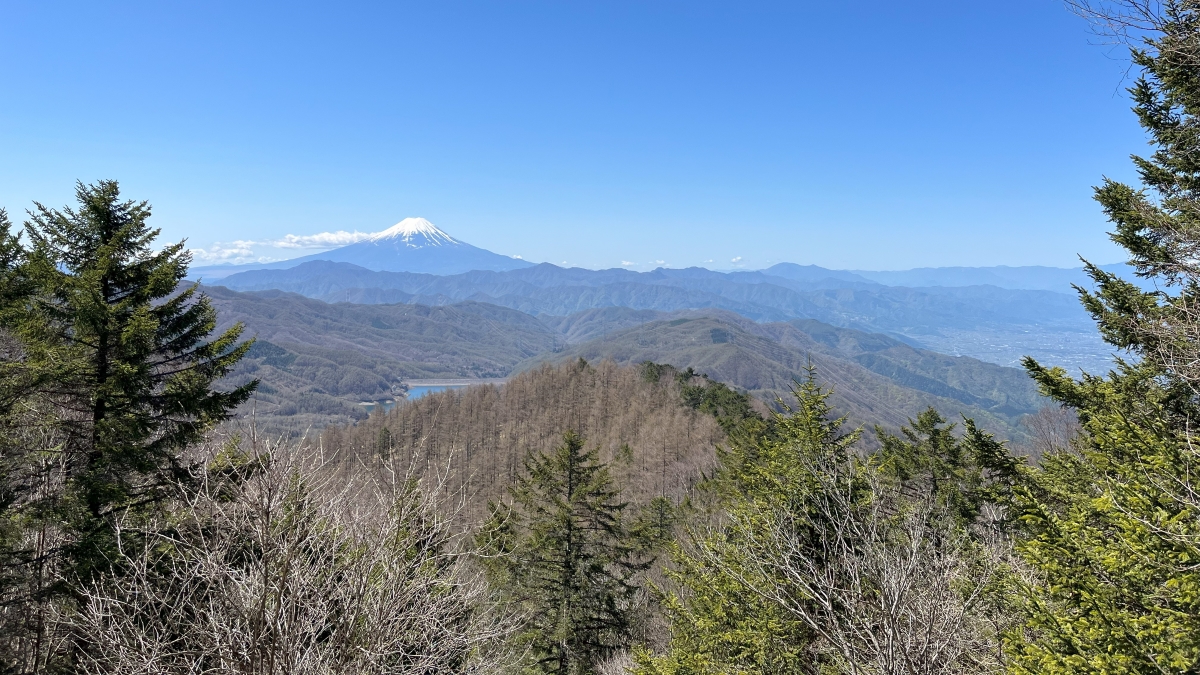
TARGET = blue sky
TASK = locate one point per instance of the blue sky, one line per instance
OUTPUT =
(869, 135)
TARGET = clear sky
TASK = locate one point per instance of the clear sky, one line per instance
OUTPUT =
(869, 135)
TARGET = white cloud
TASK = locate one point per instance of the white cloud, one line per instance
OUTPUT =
(233, 251)
(319, 240)
(709, 261)
(660, 262)
(517, 257)
(626, 263)
(246, 250)
(736, 260)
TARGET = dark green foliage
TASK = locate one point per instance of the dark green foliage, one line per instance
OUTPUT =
(271, 355)
(964, 473)
(107, 376)
(653, 372)
(560, 550)
(729, 407)
(138, 386)
(383, 445)
(654, 526)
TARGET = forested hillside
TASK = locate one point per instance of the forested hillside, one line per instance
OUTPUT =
(478, 439)
(875, 379)
(318, 362)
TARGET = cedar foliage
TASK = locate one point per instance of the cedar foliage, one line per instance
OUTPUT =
(559, 549)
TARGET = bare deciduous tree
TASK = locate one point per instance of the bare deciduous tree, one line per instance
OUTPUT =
(1051, 429)
(1124, 21)
(279, 572)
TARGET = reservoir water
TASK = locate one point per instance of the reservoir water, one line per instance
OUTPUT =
(418, 392)
(413, 394)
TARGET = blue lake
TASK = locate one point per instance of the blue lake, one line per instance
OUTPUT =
(413, 394)
(418, 392)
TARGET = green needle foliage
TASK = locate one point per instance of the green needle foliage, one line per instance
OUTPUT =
(133, 367)
(1113, 533)
(560, 551)
(720, 621)
(1111, 527)
(743, 598)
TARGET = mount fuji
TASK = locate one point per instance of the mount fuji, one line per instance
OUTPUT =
(411, 245)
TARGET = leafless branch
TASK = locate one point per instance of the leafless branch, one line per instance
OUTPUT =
(282, 572)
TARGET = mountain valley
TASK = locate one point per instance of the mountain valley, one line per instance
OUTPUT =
(340, 331)
(318, 362)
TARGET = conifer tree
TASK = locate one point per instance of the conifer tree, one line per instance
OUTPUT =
(1112, 526)
(963, 473)
(137, 373)
(720, 620)
(886, 541)
(560, 550)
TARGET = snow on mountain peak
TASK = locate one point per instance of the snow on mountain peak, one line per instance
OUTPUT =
(415, 232)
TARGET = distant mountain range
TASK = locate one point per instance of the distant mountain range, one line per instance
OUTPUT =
(994, 324)
(418, 246)
(996, 314)
(1026, 278)
(317, 361)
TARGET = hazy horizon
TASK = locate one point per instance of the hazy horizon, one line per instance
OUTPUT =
(299, 248)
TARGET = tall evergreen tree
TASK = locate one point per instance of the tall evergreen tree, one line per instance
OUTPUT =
(1112, 526)
(138, 371)
(560, 550)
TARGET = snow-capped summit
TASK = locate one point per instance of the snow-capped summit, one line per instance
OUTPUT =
(412, 245)
(416, 232)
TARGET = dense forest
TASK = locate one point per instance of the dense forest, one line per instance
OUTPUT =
(645, 423)
(593, 518)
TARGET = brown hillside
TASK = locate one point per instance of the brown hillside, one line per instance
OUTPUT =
(478, 437)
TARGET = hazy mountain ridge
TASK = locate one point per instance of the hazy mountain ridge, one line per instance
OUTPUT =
(317, 360)
(416, 245)
(1029, 277)
(554, 290)
(875, 378)
(995, 324)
